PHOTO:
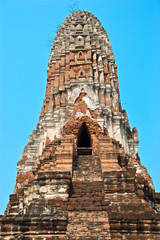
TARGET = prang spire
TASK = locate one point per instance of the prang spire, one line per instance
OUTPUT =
(81, 62)
(80, 176)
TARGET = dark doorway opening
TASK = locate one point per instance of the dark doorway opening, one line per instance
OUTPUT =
(84, 146)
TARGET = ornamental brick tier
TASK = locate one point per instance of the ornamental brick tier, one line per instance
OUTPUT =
(80, 176)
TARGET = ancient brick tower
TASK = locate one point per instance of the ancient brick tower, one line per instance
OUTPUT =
(80, 176)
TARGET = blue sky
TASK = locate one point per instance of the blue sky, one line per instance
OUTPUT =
(27, 30)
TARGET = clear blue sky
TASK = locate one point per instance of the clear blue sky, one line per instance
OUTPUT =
(27, 29)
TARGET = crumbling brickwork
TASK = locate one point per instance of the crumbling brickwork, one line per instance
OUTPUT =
(69, 189)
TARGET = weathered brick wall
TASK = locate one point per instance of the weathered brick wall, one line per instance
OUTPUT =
(91, 203)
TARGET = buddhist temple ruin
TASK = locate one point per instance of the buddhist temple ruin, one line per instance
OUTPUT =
(80, 175)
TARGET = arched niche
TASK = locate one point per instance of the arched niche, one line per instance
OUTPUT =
(80, 55)
(84, 145)
(81, 73)
(79, 41)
